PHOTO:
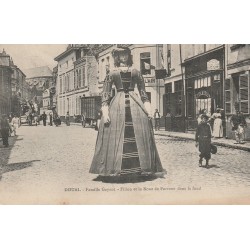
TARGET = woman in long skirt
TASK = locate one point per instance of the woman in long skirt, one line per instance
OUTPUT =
(218, 128)
(125, 143)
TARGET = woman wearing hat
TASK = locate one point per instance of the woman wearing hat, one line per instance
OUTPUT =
(125, 144)
(203, 140)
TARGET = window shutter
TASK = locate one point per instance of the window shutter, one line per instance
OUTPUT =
(243, 94)
(228, 96)
(165, 104)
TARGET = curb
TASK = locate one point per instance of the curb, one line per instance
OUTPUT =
(222, 144)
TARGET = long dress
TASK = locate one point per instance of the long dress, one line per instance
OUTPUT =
(126, 145)
(218, 128)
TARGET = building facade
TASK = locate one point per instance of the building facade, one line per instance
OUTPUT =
(237, 84)
(205, 76)
(76, 78)
(13, 87)
(19, 89)
(195, 81)
(5, 83)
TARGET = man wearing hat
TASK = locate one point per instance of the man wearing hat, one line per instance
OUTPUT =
(5, 128)
(203, 140)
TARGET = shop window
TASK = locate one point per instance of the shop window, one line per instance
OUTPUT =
(145, 62)
(202, 95)
(178, 100)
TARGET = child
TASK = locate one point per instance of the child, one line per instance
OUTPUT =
(203, 140)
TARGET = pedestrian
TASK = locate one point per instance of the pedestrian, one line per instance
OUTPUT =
(50, 119)
(67, 117)
(5, 128)
(44, 118)
(30, 119)
(36, 120)
(15, 124)
(83, 120)
(203, 140)
(217, 125)
(238, 123)
(56, 118)
(157, 117)
(125, 143)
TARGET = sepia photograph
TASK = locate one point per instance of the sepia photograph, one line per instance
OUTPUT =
(109, 144)
(124, 124)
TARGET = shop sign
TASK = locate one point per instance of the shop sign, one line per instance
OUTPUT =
(149, 80)
(213, 64)
(202, 93)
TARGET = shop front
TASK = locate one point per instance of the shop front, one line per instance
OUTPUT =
(204, 79)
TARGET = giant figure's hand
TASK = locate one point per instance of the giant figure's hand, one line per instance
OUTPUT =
(147, 106)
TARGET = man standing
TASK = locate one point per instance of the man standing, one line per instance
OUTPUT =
(44, 118)
(67, 119)
(5, 128)
(157, 117)
(83, 121)
(50, 119)
(238, 123)
(15, 124)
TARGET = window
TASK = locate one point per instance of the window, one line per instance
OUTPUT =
(76, 78)
(83, 77)
(240, 92)
(60, 85)
(103, 70)
(145, 62)
(80, 77)
(69, 85)
(178, 87)
(243, 93)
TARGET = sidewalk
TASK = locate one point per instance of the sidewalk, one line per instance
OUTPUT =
(216, 141)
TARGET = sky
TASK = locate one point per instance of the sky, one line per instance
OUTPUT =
(27, 56)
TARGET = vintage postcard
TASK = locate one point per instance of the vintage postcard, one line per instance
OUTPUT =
(124, 124)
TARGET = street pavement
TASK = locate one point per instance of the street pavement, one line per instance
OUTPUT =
(50, 165)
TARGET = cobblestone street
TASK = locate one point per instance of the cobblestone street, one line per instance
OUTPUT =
(43, 163)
